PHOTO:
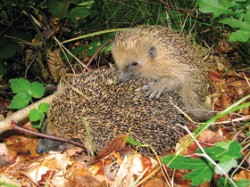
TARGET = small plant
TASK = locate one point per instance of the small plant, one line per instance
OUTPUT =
(24, 91)
(37, 116)
(220, 158)
(237, 13)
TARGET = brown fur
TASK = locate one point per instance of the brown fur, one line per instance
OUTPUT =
(165, 56)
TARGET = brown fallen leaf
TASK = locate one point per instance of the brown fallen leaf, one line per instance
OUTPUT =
(206, 139)
(23, 144)
(159, 182)
(115, 145)
(244, 174)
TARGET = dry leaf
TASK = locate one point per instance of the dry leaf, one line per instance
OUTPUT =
(3, 155)
(155, 182)
(133, 168)
(115, 145)
(206, 139)
(244, 174)
(9, 179)
(55, 64)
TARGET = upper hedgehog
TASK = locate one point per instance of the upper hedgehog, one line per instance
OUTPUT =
(160, 54)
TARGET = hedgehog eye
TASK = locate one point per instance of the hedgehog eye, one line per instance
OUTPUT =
(152, 52)
(133, 64)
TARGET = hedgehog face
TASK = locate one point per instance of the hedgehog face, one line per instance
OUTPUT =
(133, 61)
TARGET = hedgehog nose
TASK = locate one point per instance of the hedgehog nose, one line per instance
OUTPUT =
(122, 77)
(120, 81)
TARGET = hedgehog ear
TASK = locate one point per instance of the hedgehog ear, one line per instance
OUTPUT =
(152, 52)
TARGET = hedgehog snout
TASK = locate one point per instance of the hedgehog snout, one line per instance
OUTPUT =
(124, 76)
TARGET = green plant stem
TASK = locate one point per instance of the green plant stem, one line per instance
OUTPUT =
(93, 34)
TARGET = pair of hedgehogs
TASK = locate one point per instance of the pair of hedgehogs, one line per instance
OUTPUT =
(130, 103)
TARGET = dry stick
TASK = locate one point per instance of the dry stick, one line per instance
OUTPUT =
(33, 133)
(22, 114)
(243, 118)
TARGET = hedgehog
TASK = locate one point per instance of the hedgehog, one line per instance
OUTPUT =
(168, 60)
(113, 109)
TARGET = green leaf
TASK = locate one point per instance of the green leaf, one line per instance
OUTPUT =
(200, 175)
(93, 47)
(202, 170)
(226, 166)
(239, 36)
(213, 152)
(235, 149)
(59, 9)
(243, 183)
(234, 23)
(78, 50)
(37, 89)
(247, 16)
(20, 85)
(132, 141)
(7, 48)
(7, 184)
(44, 107)
(181, 162)
(20, 100)
(216, 7)
(35, 115)
(232, 149)
(78, 13)
(87, 3)
(223, 182)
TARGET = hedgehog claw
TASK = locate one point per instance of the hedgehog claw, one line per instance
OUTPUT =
(154, 90)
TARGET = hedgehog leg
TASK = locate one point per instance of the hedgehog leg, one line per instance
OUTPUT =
(155, 90)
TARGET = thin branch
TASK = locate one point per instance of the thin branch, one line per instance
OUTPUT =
(243, 118)
(33, 133)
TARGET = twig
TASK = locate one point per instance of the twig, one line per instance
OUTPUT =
(33, 133)
(22, 114)
(246, 79)
(244, 118)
